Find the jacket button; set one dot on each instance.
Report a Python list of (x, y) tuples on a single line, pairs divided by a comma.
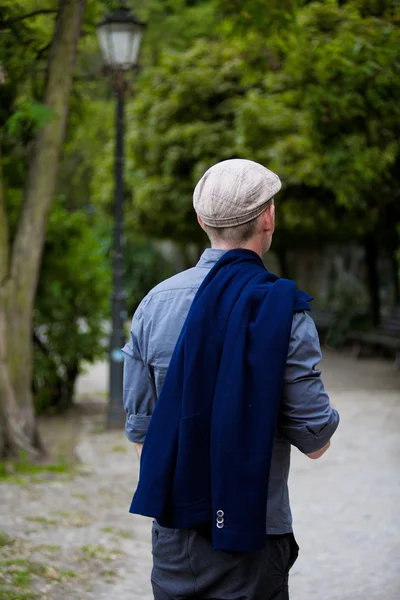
[(220, 513), (220, 525), (220, 519)]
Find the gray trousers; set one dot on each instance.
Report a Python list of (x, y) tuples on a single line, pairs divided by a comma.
[(186, 566)]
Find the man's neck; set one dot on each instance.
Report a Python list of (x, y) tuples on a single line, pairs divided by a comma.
[(253, 245)]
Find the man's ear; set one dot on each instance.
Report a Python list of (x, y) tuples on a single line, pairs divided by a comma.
[(200, 222), (269, 218), (272, 209)]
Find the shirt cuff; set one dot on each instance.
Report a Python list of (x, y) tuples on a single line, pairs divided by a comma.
[(136, 427), (311, 441)]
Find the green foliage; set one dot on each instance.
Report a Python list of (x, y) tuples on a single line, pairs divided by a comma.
[(72, 305), (73, 300), (175, 25), (184, 116), (346, 69), (317, 100), (23, 52), (145, 266), (257, 15), (24, 45), (28, 119)]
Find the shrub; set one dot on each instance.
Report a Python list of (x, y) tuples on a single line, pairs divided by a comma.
[(72, 305)]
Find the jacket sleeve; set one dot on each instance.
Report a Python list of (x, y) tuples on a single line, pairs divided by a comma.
[(306, 419), (139, 389)]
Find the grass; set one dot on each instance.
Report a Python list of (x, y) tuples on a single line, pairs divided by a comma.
[(64, 519), (99, 552), (67, 574), (75, 519), (91, 551), (79, 495), (121, 533), (119, 448), (42, 520), (98, 429), (108, 573), (47, 549), (10, 471), (105, 492), (17, 575), (18, 572), (5, 539), (125, 534), (11, 595)]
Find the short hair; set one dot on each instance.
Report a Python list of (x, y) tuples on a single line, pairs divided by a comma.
[(237, 234)]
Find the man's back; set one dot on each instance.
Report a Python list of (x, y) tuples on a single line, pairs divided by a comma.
[(155, 331)]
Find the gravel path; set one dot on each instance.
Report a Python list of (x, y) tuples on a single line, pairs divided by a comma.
[(78, 541)]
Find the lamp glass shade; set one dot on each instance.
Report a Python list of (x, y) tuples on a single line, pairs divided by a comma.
[(120, 43)]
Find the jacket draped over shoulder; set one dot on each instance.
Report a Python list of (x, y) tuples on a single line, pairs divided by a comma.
[(207, 451)]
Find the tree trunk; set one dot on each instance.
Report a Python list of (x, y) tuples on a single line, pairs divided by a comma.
[(395, 268), (391, 241), (279, 246), (19, 265), (281, 253), (371, 258), (72, 375)]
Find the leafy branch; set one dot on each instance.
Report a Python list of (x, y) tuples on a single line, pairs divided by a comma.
[(43, 11)]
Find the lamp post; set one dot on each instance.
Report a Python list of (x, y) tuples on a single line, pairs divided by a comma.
[(119, 36)]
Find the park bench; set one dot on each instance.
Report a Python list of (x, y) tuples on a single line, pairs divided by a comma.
[(386, 336)]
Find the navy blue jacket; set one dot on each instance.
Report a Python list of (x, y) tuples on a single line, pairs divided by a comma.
[(207, 451)]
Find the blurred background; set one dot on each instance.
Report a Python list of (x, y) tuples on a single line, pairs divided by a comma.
[(96, 209)]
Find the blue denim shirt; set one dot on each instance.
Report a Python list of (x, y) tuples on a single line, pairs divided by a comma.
[(306, 418)]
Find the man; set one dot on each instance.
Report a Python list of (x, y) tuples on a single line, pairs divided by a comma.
[(234, 202)]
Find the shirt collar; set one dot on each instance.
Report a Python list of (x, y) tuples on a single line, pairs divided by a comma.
[(210, 257)]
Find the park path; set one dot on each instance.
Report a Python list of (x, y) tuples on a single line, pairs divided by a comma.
[(346, 506)]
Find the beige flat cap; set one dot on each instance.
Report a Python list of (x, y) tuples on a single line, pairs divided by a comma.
[(234, 192)]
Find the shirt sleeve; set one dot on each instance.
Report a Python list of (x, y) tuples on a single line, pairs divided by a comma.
[(306, 419), (139, 389)]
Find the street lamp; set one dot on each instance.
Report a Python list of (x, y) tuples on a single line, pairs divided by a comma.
[(119, 34)]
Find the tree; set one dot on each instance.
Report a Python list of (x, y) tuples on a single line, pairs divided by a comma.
[(20, 255), (183, 121), (337, 93), (317, 100)]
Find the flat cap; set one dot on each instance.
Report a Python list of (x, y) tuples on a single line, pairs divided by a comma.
[(234, 192)]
